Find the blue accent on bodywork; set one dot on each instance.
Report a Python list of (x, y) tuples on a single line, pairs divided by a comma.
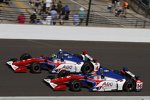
[(85, 83), (109, 73), (68, 56), (125, 68), (45, 65), (113, 75)]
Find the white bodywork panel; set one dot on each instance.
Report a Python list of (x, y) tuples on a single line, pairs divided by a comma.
[(109, 84), (96, 66), (120, 84), (53, 85), (131, 74), (106, 86), (14, 67), (75, 67), (139, 85), (70, 66)]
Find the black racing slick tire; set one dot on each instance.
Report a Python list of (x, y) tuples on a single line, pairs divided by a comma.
[(129, 85), (75, 85), (63, 73), (87, 68), (25, 56), (35, 68)]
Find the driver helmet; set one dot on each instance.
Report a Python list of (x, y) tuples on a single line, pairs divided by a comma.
[(60, 50), (54, 56)]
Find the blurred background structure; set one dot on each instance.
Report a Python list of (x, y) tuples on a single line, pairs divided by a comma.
[(99, 13)]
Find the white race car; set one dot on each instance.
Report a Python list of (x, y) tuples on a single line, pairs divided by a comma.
[(62, 63), (104, 80)]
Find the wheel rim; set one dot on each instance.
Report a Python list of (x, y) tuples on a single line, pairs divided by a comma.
[(36, 68), (77, 86), (129, 86), (87, 68)]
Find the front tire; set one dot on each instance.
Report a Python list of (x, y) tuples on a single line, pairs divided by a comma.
[(87, 68), (75, 85), (63, 73), (129, 85), (35, 68)]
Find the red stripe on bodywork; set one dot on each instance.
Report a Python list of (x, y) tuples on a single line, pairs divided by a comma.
[(60, 87), (21, 69), (66, 79), (28, 61), (138, 80)]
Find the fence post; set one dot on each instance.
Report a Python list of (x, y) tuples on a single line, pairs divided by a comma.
[(88, 13), (144, 25), (136, 23)]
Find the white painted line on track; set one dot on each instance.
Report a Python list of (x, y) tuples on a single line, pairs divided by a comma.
[(78, 97)]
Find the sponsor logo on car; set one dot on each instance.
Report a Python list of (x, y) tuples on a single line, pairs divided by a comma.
[(67, 67), (107, 84), (139, 85)]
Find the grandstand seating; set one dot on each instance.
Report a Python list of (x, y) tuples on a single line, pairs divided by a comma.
[(9, 14)]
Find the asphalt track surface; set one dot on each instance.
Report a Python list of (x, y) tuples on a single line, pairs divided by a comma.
[(113, 55)]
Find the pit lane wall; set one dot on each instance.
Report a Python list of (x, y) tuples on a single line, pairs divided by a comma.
[(44, 32)]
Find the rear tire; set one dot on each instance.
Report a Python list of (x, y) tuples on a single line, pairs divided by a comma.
[(25, 56), (129, 85), (75, 85), (87, 68), (35, 68)]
